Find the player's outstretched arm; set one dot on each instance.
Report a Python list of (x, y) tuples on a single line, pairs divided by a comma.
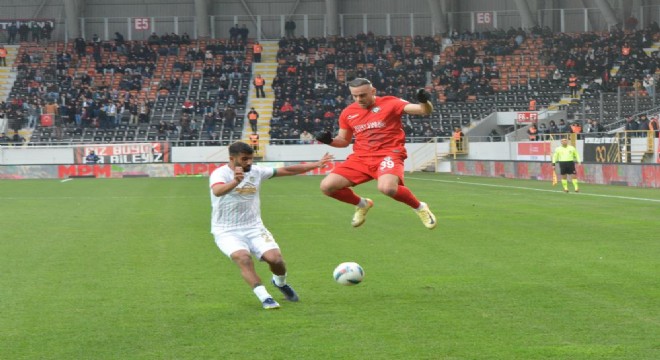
[(425, 107), (303, 168), (339, 141)]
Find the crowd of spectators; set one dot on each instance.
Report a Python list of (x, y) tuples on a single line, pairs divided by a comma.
[(55, 79), (639, 126), (310, 83), (24, 31), (592, 56), (310, 89), (307, 85), (310, 86)]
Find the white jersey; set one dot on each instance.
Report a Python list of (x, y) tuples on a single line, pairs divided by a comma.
[(241, 207)]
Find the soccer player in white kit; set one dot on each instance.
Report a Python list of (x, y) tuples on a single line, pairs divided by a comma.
[(236, 221)]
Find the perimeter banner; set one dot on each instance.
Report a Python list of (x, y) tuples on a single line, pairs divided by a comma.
[(145, 153), (601, 150), (5, 23), (534, 151)]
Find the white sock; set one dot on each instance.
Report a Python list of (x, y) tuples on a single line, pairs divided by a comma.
[(279, 280), (261, 293), (362, 203), (421, 206)]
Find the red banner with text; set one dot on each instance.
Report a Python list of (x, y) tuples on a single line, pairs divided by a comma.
[(534, 151), (145, 153)]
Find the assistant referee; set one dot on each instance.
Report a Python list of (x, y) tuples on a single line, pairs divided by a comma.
[(567, 156)]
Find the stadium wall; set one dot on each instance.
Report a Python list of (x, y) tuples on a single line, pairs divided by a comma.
[(642, 175), (638, 175), (514, 151), (397, 18), (130, 8), (28, 9), (510, 160)]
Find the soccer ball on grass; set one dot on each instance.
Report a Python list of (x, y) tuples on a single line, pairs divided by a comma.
[(348, 273)]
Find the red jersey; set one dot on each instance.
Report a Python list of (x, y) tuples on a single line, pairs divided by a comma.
[(378, 130)]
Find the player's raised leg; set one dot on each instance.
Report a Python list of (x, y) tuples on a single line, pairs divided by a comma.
[(360, 215), (391, 185), (427, 217), (338, 187)]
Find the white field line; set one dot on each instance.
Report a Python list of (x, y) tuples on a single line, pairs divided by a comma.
[(535, 189)]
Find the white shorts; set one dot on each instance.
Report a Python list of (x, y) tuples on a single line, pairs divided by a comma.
[(256, 241)]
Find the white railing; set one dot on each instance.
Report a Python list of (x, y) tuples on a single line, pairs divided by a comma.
[(424, 156), (267, 26)]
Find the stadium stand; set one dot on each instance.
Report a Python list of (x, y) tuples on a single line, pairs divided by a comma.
[(147, 82), (176, 89), (471, 76), (469, 79)]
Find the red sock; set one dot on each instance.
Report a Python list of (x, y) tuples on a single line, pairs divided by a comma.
[(346, 195), (404, 195)]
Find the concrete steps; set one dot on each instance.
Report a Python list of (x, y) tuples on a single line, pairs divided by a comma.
[(264, 106), (269, 53), (8, 73)]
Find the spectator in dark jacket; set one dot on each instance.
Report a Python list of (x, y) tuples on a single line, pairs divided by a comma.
[(631, 125), (91, 158)]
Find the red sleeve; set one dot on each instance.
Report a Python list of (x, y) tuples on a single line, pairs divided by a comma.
[(343, 122), (217, 183)]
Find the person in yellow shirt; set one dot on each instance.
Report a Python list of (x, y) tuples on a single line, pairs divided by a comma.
[(567, 156)]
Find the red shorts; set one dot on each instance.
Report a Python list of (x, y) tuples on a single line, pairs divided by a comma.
[(360, 169)]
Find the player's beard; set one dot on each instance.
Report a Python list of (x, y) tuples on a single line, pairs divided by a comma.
[(245, 168)]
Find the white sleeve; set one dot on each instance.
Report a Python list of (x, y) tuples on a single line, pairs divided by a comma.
[(220, 175), (266, 172)]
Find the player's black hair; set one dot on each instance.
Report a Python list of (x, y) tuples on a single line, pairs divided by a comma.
[(240, 148), (359, 82)]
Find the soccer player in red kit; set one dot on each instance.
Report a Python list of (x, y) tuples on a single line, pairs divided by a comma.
[(378, 151)]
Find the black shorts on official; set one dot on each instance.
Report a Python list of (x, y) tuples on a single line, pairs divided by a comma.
[(566, 167)]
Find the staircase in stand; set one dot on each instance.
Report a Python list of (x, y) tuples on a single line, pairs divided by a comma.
[(8, 73), (267, 68)]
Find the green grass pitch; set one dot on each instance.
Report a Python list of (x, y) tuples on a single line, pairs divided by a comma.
[(127, 269)]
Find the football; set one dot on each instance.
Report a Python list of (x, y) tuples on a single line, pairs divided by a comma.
[(348, 273)]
